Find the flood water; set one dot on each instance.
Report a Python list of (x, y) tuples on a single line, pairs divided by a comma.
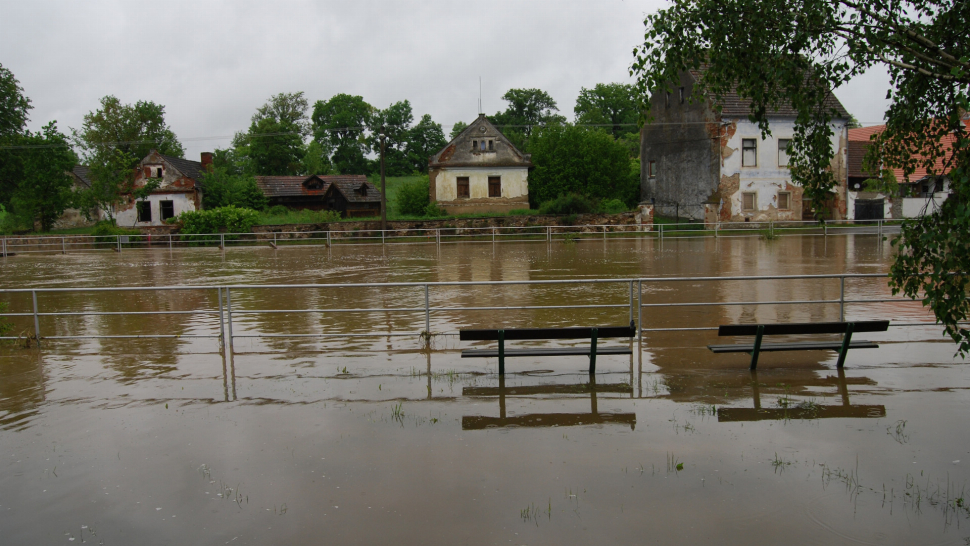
[(377, 439)]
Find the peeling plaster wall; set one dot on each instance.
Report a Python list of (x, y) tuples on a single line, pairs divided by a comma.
[(181, 201), (515, 189)]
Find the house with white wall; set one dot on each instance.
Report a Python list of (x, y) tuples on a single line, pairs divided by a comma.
[(480, 171), (706, 163), (179, 190)]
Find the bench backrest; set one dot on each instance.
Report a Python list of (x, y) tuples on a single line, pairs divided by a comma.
[(549, 333), (796, 328)]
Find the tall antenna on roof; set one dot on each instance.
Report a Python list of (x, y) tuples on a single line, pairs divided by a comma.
[(480, 95)]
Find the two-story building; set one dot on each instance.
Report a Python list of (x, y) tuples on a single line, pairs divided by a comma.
[(480, 171), (702, 163), (179, 190)]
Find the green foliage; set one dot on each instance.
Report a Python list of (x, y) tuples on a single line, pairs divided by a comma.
[(580, 160), (434, 211), (524, 212), (275, 136), (111, 179), (394, 122), (13, 105), (457, 128), (220, 189), (274, 216), (610, 104), (107, 228), (134, 129), (316, 160), (227, 219), (775, 52), (426, 139), (527, 108), (413, 198), (37, 176), (612, 206), (339, 124), (571, 203)]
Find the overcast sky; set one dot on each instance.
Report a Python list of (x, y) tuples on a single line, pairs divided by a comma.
[(211, 63)]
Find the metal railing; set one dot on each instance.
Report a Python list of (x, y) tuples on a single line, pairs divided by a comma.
[(12, 245), (631, 307)]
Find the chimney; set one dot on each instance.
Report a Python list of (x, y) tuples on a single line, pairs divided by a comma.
[(207, 161)]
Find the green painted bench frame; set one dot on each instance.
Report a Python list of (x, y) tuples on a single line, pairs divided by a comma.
[(509, 334), (804, 328)]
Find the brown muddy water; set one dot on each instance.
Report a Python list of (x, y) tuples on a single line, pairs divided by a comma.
[(378, 440)]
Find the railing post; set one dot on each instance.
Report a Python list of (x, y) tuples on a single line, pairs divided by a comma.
[(427, 316), (631, 301), (382, 236), (4, 247), (437, 236), (639, 309), (33, 294), (493, 235), (716, 226), (229, 320), (170, 248), (119, 243), (222, 241), (328, 237), (842, 299), (548, 233), (661, 232)]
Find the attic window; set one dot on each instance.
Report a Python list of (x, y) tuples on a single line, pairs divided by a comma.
[(474, 145), (314, 184), (491, 145), (483, 145), (158, 172), (362, 190), (153, 171), (682, 95)]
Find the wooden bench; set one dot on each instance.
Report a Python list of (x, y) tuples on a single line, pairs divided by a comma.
[(760, 330), (592, 334)]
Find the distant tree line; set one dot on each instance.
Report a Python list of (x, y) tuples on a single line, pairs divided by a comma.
[(594, 156)]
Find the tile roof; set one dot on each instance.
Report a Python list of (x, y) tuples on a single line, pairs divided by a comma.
[(82, 173), (189, 168), (292, 186), (462, 152), (733, 106), (859, 143)]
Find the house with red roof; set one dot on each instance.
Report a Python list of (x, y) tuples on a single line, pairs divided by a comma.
[(350, 195)]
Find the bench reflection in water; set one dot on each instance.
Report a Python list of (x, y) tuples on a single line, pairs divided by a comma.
[(806, 411), (594, 417)]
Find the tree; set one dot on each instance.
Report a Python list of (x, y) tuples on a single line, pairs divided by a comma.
[(223, 189), (613, 105), (39, 164), (395, 122), (134, 129), (774, 52), (339, 124), (457, 128), (583, 160), (276, 133), (316, 160), (13, 105), (527, 109), (425, 140)]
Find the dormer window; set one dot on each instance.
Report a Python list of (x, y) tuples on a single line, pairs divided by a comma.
[(362, 190), (313, 184)]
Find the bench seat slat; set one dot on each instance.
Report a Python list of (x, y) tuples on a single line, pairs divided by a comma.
[(547, 333), (792, 346), (557, 351), (797, 328)]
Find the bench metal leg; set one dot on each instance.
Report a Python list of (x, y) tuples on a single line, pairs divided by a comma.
[(845, 345), (501, 352), (757, 346), (592, 351)]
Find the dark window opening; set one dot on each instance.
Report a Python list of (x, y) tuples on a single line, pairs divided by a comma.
[(166, 209), (667, 100), (682, 95), (495, 186), (159, 172), (474, 145), (463, 186), (144, 211), (491, 145)]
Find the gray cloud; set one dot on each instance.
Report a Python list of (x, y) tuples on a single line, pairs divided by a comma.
[(213, 62)]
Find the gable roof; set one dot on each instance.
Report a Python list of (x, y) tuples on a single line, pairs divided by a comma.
[(82, 176), (460, 152), (859, 143), (734, 106), (295, 186), (189, 168)]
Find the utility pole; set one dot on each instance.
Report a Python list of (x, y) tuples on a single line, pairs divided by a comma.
[(383, 188)]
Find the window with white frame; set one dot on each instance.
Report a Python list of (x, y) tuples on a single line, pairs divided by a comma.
[(749, 152), (784, 200), (783, 144), (749, 201), (652, 169)]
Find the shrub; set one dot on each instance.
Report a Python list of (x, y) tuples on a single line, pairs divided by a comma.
[(612, 206), (572, 203), (229, 219), (413, 198), (523, 212), (433, 210)]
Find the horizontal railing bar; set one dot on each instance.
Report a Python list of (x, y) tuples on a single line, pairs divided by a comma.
[(130, 336), (98, 313), (297, 311), (414, 334)]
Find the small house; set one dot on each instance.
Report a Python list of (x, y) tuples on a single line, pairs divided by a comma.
[(179, 190), (350, 195), (480, 171)]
